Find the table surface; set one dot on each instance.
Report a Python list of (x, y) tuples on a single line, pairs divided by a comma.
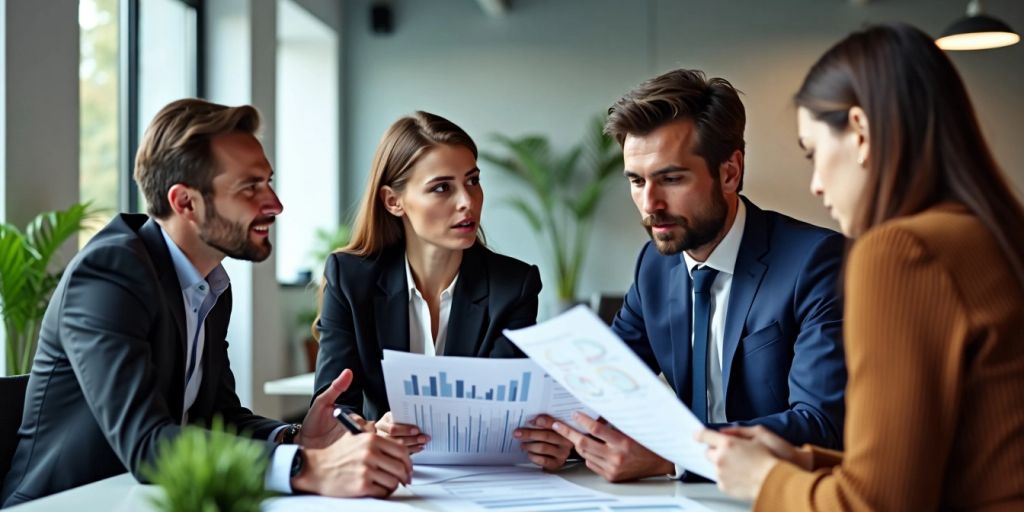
[(301, 385), (122, 493)]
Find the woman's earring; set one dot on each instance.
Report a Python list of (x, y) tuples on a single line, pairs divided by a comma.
[(861, 160)]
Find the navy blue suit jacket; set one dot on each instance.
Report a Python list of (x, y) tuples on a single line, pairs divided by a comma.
[(782, 361)]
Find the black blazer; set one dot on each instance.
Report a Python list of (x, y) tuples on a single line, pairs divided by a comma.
[(107, 383), (366, 309)]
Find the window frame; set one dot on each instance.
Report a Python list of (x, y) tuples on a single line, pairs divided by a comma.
[(128, 192)]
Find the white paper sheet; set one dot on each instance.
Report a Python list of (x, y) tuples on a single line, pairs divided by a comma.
[(470, 406), (585, 356), (507, 490), (324, 504), (520, 489)]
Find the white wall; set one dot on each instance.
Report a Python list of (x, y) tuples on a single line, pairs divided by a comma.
[(549, 65)]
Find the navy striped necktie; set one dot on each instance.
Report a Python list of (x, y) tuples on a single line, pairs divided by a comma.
[(702, 279)]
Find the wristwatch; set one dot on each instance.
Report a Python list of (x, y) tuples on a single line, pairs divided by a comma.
[(298, 461), (289, 433)]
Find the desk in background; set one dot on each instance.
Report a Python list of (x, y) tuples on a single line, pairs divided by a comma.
[(299, 385), (123, 494)]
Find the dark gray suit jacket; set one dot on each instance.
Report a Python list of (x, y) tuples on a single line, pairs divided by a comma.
[(108, 379), (366, 310)]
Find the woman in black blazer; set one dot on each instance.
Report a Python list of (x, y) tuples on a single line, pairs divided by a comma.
[(417, 278)]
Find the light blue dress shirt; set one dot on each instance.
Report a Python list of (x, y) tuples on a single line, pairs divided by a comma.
[(200, 296)]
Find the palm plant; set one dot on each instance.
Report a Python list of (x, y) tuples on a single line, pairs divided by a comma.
[(567, 188), (25, 280)]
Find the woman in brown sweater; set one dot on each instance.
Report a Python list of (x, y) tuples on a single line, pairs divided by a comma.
[(934, 287)]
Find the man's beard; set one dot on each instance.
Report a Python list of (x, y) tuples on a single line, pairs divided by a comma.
[(705, 227), (232, 238)]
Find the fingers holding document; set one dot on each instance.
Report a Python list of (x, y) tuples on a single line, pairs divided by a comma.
[(545, 447), (408, 435), (610, 453)]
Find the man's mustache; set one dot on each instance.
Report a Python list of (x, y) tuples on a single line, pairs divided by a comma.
[(661, 218)]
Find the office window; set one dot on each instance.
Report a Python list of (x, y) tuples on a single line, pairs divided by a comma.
[(168, 60), (306, 139), (99, 88)]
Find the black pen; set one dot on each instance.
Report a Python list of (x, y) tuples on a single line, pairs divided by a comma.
[(346, 421), (350, 424)]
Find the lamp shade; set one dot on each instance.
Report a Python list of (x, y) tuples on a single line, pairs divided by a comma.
[(978, 32)]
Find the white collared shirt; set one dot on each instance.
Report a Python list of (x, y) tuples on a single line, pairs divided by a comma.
[(420, 338), (722, 259)]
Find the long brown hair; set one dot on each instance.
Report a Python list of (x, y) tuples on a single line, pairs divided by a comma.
[(926, 143), (403, 144)]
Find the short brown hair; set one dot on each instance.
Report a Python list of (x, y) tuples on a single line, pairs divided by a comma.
[(176, 148), (713, 104)]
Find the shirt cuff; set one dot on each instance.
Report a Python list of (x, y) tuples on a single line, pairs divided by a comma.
[(279, 474), (273, 434), (678, 472)]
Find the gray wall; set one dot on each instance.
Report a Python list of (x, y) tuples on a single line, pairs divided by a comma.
[(549, 65), (41, 108)]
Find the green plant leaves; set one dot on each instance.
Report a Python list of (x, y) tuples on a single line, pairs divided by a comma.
[(567, 188), (25, 283), (209, 470)]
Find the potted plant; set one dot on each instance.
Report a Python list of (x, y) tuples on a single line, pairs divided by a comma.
[(26, 281), (567, 188), (326, 242), (209, 471)]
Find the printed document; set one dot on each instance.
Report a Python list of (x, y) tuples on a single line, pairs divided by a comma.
[(469, 406), (585, 356)]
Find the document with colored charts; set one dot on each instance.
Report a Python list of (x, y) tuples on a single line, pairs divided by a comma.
[(469, 406), (585, 356)]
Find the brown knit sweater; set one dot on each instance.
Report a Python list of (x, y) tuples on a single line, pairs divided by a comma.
[(934, 333)]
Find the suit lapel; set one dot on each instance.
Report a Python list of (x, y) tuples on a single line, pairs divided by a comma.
[(215, 334), (750, 270), (679, 328), (391, 303), (469, 301), (156, 245)]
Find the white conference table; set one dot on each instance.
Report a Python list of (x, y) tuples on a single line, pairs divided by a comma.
[(122, 493)]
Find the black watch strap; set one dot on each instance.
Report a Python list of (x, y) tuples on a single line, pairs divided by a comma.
[(298, 461), (289, 433)]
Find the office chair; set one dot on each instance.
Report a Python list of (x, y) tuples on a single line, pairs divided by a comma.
[(607, 305), (12, 403)]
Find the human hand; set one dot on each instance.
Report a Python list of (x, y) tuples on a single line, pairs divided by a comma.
[(545, 447), (319, 428), (355, 466), (778, 446), (740, 464), (610, 453), (408, 435)]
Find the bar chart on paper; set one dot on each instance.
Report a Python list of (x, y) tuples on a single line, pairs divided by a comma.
[(440, 385), (470, 407)]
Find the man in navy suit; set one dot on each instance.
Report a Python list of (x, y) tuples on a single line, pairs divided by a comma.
[(738, 307)]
